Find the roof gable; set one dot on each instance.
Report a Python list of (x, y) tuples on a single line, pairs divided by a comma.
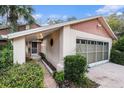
[(92, 27)]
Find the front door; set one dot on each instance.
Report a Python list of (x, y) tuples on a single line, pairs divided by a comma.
[(34, 47)]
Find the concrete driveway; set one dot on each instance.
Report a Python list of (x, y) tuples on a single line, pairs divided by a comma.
[(108, 75)]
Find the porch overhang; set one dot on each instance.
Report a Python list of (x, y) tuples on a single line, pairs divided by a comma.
[(20, 42)]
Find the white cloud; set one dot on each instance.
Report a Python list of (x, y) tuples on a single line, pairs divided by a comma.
[(37, 16), (109, 9), (119, 13)]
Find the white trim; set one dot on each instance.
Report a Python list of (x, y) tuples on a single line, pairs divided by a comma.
[(109, 28), (49, 69), (98, 63), (56, 26), (4, 36), (103, 51)]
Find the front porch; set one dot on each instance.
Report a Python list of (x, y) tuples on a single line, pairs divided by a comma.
[(30, 46)]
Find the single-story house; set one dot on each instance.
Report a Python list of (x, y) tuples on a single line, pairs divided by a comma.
[(4, 31), (91, 37)]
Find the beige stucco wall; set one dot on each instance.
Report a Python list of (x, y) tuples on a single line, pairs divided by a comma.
[(19, 50), (64, 43), (43, 46), (68, 38), (52, 52)]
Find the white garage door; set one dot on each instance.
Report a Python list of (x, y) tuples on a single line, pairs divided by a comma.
[(94, 51)]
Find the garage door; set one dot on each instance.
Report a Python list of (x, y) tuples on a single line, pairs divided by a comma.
[(94, 51)]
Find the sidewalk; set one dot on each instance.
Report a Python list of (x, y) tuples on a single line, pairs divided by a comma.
[(49, 82)]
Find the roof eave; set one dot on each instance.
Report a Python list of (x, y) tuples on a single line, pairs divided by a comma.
[(114, 37), (41, 29)]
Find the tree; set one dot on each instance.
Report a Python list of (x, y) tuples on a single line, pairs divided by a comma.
[(13, 13), (116, 22), (52, 21), (71, 18)]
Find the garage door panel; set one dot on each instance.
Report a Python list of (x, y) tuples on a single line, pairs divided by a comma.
[(93, 51)]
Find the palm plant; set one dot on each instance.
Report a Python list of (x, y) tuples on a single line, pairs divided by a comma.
[(13, 13)]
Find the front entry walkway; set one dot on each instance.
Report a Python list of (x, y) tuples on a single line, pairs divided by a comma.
[(108, 75), (49, 82)]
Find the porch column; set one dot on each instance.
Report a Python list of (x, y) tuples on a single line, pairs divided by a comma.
[(67, 45), (19, 55)]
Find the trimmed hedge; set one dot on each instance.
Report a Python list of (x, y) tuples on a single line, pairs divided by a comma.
[(28, 75), (75, 67)]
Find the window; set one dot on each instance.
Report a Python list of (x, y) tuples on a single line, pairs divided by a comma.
[(93, 50), (34, 47), (99, 51), (106, 51), (81, 47)]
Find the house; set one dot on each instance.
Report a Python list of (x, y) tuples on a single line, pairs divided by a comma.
[(4, 30), (91, 37)]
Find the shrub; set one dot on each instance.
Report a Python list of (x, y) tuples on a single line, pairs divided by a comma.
[(6, 56), (119, 45), (117, 57), (75, 67), (2, 46), (28, 75), (117, 52), (59, 77)]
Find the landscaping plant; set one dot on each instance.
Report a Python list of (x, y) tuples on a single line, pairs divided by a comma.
[(75, 67), (59, 77), (117, 52), (6, 56), (28, 75)]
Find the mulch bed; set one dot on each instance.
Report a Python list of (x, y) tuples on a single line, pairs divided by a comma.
[(69, 84)]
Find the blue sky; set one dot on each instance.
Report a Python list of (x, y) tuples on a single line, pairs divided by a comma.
[(42, 12)]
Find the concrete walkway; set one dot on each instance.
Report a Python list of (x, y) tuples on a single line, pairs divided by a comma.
[(108, 75), (49, 82)]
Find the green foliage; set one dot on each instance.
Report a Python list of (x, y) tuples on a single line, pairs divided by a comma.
[(117, 57), (55, 20), (15, 13), (1, 47), (28, 75), (59, 76), (75, 67), (119, 45), (6, 56), (116, 22), (117, 52)]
